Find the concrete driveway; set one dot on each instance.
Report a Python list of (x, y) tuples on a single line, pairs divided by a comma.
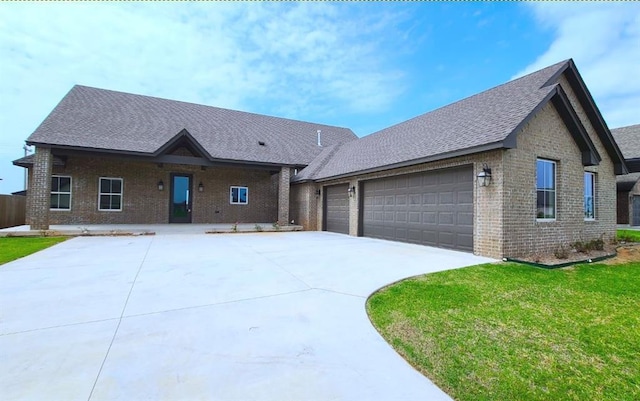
[(265, 316)]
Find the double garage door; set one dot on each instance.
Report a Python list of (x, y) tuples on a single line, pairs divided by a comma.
[(432, 208)]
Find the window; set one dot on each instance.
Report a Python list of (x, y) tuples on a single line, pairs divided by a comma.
[(110, 194), (546, 189), (60, 193), (589, 196), (239, 195)]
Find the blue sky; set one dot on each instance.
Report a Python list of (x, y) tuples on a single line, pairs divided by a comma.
[(365, 66)]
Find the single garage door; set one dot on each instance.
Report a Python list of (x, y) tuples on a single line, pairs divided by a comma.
[(336, 209), (432, 208)]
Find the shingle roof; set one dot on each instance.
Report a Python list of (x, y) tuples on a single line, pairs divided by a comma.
[(627, 181), (628, 140), (27, 161), (104, 120), (478, 121)]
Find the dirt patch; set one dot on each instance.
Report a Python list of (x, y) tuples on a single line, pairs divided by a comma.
[(626, 253)]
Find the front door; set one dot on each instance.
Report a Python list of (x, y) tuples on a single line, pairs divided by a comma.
[(180, 205), (635, 219)]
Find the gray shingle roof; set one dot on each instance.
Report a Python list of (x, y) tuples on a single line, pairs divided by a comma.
[(482, 120), (104, 120), (628, 140), (27, 161), (627, 181)]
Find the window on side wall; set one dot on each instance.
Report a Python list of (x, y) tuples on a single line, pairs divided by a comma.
[(110, 194), (239, 195), (545, 190), (589, 196), (60, 193)]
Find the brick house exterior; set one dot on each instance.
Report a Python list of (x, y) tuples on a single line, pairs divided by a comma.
[(314, 174), (562, 126), (628, 186)]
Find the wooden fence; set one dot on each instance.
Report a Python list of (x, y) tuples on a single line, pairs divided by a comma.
[(12, 210)]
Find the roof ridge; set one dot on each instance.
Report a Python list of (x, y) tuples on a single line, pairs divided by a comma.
[(204, 105), (318, 162)]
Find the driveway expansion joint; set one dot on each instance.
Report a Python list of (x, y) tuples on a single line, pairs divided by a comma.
[(124, 307)]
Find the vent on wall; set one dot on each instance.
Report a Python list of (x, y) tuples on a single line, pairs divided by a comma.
[(261, 143)]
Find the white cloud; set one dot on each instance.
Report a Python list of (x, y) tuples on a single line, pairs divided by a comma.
[(297, 60), (604, 41)]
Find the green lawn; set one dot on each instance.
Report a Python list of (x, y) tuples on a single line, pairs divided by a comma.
[(628, 235), (513, 332), (12, 248)]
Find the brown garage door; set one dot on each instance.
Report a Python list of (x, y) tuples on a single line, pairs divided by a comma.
[(336, 209), (433, 208)]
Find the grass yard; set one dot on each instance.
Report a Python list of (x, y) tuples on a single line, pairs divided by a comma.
[(12, 248), (513, 332), (628, 235)]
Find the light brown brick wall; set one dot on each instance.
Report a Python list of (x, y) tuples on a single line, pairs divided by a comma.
[(284, 189), (39, 194), (144, 203), (304, 205), (545, 136)]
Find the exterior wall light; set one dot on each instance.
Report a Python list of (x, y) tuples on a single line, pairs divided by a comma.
[(200, 187), (484, 177), (160, 185), (318, 192), (351, 191)]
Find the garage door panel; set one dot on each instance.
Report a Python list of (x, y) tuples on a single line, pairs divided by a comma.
[(429, 218), (430, 199), (465, 197), (446, 198), (445, 218), (432, 208), (337, 209), (414, 181), (465, 219), (414, 217)]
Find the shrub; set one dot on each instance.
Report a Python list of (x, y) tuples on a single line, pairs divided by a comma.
[(561, 252)]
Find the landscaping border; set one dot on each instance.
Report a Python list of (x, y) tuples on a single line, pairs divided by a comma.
[(560, 265)]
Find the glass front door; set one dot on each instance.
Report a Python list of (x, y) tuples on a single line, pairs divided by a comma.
[(180, 205)]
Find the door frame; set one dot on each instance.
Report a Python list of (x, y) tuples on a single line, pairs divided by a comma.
[(188, 219)]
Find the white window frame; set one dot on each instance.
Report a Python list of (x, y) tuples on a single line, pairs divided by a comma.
[(70, 193), (246, 202), (593, 197), (100, 193), (555, 191)]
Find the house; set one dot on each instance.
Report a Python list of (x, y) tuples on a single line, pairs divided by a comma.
[(518, 169), (628, 186)]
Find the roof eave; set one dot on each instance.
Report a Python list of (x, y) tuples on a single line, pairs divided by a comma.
[(596, 119), (161, 158), (633, 165)]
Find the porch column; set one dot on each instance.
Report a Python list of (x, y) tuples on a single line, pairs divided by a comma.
[(283, 196), (39, 192)]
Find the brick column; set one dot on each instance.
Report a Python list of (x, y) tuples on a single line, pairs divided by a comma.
[(39, 192), (283, 195)]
